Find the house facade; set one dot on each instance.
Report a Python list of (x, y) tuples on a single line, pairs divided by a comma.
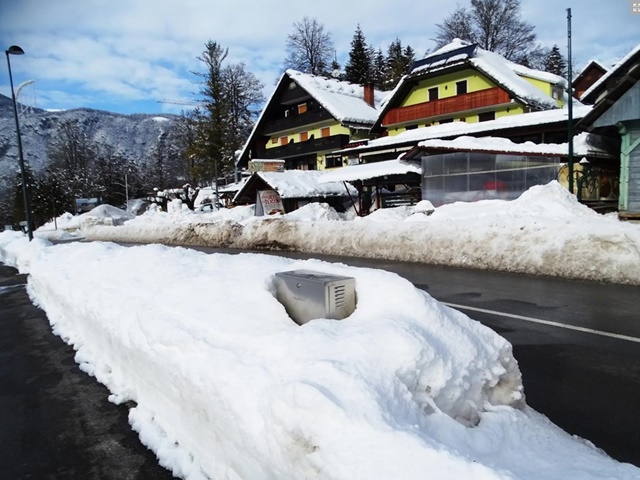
[(307, 118), (463, 83), (616, 115)]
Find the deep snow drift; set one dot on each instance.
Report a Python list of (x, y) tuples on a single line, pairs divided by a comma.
[(228, 387)]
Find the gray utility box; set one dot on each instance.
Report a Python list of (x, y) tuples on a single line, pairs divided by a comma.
[(307, 295)]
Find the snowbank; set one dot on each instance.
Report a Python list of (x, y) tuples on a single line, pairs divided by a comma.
[(228, 388), (543, 232)]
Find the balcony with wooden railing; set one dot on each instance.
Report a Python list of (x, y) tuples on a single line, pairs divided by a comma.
[(291, 149), (447, 106)]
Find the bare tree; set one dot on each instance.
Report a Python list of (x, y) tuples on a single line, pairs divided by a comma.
[(244, 98), (457, 25), (495, 25), (309, 48)]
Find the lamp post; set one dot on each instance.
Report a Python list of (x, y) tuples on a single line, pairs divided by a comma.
[(16, 50)]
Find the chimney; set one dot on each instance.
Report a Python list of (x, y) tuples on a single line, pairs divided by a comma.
[(368, 94)]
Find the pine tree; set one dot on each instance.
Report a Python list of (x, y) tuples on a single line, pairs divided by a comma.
[(358, 68), (409, 56), (397, 63), (378, 70), (555, 62)]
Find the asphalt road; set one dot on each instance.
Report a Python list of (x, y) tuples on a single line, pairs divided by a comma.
[(56, 421), (582, 370)]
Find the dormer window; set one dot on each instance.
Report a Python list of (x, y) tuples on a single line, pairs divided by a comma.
[(556, 92), (461, 87), (433, 94)]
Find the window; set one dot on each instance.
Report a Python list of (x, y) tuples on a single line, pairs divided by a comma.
[(461, 87), (332, 161), (433, 94), (304, 136), (557, 92), (302, 108), (274, 140), (325, 132), (486, 116), (446, 120), (411, 127), (284, 140)]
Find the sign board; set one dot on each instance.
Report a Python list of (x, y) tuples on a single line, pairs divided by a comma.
[(268, 202), (266, 166)]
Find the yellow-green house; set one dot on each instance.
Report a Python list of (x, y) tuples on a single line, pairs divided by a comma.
[(464, 83), (307, 118)]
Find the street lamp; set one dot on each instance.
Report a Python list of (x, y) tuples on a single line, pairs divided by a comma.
[(16, 50)]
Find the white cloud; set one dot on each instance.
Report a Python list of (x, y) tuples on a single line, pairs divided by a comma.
[(145, 50)]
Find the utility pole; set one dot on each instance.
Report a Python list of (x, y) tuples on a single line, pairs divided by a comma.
[(570, 91)]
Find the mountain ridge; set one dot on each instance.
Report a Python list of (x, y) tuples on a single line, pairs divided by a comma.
[(133, 135)]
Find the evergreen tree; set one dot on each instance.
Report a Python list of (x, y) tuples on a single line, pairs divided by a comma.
[(335, 70), (379, 70), (358, 68), (409, 56), (397, 63), (555, 63), (232, 100), (214, 113)]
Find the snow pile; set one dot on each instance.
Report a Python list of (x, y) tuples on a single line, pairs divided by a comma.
[(314, 212), (105, 215), (396, 214), (230, 389), (425, 207), (544, 232)]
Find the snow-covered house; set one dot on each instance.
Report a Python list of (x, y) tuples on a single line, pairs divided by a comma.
[(462, 82), (616, 114), (307, 118), (289, 190)]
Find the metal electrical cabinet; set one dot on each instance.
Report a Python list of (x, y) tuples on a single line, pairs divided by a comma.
[(307, 295)]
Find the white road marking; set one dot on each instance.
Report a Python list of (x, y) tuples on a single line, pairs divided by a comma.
[(545, 322)]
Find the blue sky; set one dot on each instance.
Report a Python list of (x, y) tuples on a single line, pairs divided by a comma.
[(126, 55)]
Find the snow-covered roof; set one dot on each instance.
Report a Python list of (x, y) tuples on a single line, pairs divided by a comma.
[(612, 71), (581, 146), (370, 170), (464, 128), (344, 100), (301, 184), (503, 72)]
